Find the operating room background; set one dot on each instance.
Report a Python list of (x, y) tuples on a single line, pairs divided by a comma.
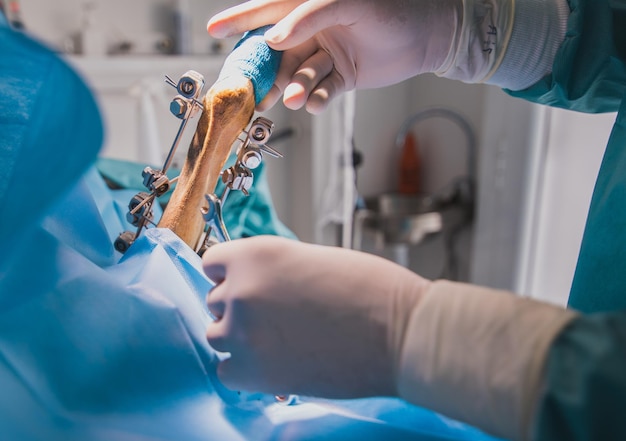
[(535, 166)]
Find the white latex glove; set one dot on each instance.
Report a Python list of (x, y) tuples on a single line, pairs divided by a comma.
[(307, 319), (333, 46)]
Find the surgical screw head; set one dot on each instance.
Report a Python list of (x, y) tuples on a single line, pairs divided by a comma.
[(251, 159), (228, 176), (124, 241), (259, 134), (190, 84), (261, 129), (187, 87), (178, 107)]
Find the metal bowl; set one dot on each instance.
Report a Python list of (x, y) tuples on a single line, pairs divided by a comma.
[(406, 219)]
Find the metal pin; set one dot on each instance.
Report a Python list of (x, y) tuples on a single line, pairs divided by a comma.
[(212, 215)]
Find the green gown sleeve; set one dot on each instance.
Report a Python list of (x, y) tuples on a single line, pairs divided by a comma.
[(588, 73), (584, 395), (585, 382)]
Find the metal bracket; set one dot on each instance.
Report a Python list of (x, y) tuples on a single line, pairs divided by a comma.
[(184, 106), (238, 177)]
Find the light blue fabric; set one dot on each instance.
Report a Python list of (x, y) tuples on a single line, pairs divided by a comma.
[(92, 348), (254, 59), (98, 347), (33, 113)]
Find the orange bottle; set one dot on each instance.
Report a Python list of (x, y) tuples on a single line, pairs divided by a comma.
[(409, 167)]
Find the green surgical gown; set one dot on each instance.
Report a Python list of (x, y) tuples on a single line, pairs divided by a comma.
[(584, 396)]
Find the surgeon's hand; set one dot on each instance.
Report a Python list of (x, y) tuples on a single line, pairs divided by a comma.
[(307, 319), (333, 46)]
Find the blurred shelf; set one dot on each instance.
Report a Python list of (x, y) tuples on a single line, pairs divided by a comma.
[(114, 72)]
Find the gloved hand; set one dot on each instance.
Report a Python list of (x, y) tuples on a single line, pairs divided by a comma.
[(333, 46), (307, 319)]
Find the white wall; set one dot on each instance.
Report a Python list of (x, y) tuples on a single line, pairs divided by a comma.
[(570, 148), (507, 129), (537, 172)]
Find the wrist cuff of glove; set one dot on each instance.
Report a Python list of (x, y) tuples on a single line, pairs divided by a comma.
[(480, 45), (477, 355), (538, 31), (508, 43)]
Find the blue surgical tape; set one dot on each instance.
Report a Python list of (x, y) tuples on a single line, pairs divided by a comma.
[(254, 59)]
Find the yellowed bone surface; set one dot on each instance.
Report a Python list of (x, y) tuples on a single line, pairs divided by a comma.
[(228, 108)]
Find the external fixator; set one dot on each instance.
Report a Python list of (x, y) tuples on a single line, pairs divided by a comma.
[(238, 177), (185, 105)]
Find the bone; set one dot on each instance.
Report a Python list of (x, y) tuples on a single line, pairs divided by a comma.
[(228, 109)]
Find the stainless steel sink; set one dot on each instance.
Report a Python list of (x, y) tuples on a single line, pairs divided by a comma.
[(408, 219), (400, 221)]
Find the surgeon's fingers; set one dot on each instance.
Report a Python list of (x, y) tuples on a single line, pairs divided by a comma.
[(225, 335), (216, 272), (307, 78), (249, 15), (215, 303), (308, 19), (235, 373), (218, 335), (216, 259), (326, 90), (270, 99), (290, 63)]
